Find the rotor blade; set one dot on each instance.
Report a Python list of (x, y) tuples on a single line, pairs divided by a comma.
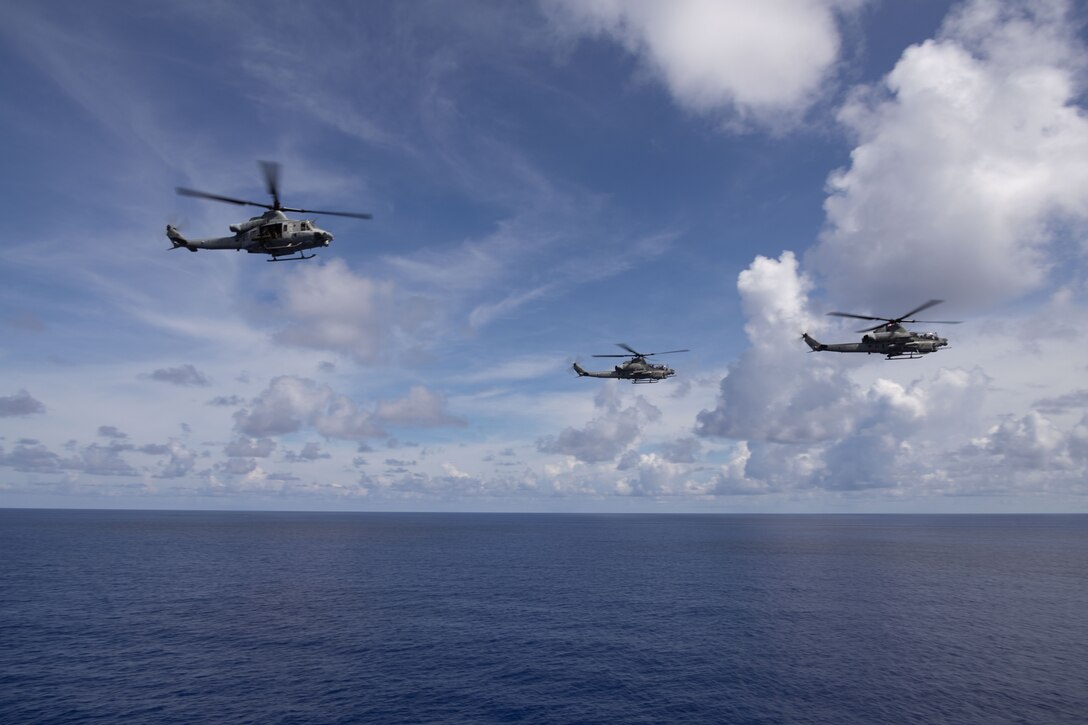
[(874, 327), (918, 309), (271, 171), (216, 197), (352, 214), (610, 356), (666, 352), (935, 322), (859, 317), (628, 348)]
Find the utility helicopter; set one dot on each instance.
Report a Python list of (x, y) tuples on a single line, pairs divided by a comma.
[(271, 233), (635, 368), (889, 338)]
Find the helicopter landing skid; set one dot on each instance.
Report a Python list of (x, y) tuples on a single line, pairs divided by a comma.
[(300, 257)]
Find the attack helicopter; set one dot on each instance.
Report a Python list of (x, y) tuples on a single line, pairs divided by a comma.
[(889, 338), (271, 233), (635, 368)]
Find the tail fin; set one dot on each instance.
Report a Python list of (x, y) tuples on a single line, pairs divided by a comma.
[(177, 240), (812, 342), (578, 369)]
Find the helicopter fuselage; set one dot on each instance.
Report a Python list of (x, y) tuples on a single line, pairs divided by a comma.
[(889, 338), (896, 342), (634, 370), (271, 233)]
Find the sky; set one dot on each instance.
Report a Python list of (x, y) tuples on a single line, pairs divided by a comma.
[(546, 179)]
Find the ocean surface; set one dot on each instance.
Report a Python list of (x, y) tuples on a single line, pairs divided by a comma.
[(186, 617)]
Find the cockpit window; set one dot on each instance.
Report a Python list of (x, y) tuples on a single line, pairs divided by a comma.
[(306, 227)]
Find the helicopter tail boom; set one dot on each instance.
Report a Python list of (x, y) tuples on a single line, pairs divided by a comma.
[(177, 240)]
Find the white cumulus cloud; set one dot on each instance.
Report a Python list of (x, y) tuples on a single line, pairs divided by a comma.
[(291, 404), (809, 420), (422, 408), (755, 59), (606, 436), (970, 172), (329, 307)]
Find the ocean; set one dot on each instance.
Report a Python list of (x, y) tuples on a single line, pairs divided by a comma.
[(224, 617)]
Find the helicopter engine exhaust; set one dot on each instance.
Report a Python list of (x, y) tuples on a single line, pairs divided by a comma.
[(246, 226)]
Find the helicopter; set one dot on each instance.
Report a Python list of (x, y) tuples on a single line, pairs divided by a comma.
[(271, 233), (889, 338), (636, 368)]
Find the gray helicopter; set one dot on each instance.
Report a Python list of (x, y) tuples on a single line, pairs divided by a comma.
[(889, 338), (271, 233), (636, 368)]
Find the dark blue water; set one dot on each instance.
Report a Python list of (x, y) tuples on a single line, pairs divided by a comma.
[(473, 618)]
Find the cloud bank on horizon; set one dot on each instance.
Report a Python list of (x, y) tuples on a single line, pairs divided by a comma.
[(547, 180)]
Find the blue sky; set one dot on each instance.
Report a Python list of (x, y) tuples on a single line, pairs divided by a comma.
[(547, 179)]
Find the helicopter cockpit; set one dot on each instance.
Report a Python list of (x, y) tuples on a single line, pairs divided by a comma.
[(270, 231)]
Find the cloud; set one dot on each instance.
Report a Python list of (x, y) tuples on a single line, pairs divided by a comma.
[(968, 177), (237, 466), (310, 452), (970, 172), (804, 419), (606, 436), (226, 401), (328, 307), (291, 404), (103, 461), (20, 404), (95, 459), (185, 375), (1077, 399), (539, 253), (109, 431), (758, 60), (249, 448), (182, 461), (1033, 442), (772, 392), (344, 419), (31, 457), (486, 313), (683, 450), (288, 404), (421, 408), (154, 449)]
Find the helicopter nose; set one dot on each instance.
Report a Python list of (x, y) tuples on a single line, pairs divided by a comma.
[(325, 237)]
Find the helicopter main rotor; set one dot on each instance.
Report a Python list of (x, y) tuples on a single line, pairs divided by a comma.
[(271, 172), (899, 320), (636, 353)]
